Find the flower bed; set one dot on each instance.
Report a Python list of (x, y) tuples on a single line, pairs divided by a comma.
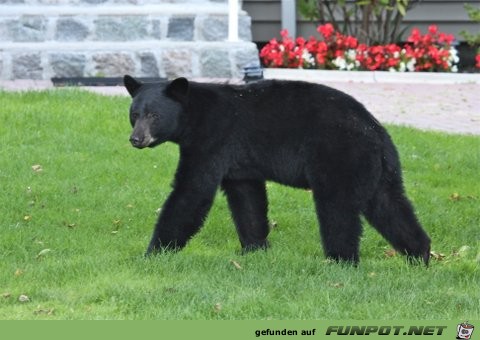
[(430, 52)]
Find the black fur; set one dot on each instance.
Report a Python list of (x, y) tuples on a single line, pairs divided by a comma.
[(295, 133)]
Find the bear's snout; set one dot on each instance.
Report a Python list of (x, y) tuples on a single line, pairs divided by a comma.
[(137, 141)]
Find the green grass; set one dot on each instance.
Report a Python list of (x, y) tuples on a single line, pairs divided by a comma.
[(94, 203)]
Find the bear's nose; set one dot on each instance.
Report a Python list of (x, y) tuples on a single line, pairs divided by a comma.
[(136, 141)]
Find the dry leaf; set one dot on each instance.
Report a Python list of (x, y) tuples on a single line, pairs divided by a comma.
[(23, 298), (455, 197), (337, 285), (217, 307), (43, 252), (6, 295), (18, 272), (462, 252), (37, 168), (390, 253), (372, 274), (437, 256), (236, 264), (45, 311), (273, 224), (27, 218)]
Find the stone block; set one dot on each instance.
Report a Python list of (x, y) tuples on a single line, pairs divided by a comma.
[(177, 63), (67, 64), (121, 28), (69, 29), (113, 64), (157, 29), (27, 66), (215, 63), (148, 65), (215, 28), (28, 28), (181, 28), (243, 57)]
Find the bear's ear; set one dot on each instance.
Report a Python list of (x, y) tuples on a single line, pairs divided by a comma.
[(178, 89), (132, 85)]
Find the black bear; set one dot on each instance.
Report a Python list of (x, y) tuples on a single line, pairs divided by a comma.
[(295, 133)]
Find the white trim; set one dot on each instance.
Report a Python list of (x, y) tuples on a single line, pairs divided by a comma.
[(371, 76), (161, 9)]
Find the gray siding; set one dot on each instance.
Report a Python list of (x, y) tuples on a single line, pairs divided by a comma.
[(449, 15)]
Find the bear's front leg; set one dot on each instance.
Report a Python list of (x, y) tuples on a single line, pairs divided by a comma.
[(186, 208)]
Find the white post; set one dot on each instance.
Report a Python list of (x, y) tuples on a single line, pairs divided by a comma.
[(289, 17), (233, 20)]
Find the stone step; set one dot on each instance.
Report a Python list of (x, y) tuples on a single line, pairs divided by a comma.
[(154, 58), (174, 22), (101, 2)]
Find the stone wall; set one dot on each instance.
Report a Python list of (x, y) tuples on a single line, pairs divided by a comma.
[(40, 39)]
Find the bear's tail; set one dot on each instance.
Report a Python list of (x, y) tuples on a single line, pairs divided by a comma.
[(391, 213)]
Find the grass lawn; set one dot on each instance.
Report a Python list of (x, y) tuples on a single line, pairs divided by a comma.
[(75, 226)]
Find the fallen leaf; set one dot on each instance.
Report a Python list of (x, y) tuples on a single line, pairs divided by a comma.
[(18, 272), (27, 218), (273, 224), (462, 252), (437, 256), (455, 197), (23, 298), (49, 311), (37, 168), (236, 264), (390, 253), (217, 307), (337, 285), (372, 274), (43, 252), (114, 232), (6, 295)]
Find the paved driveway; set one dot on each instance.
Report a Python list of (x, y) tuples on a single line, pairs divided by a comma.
[(453, 108)]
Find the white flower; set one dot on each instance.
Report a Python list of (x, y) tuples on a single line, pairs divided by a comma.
[(402, 67), (308, 58), (454, 55), (396, 55), (411, 65), (392, 69), (351, 54), (454, 68), (340, 63)]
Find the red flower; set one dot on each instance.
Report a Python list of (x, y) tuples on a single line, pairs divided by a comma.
[(477, 59), (326, 30)]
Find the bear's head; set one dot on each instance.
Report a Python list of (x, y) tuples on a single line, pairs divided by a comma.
[(156, 110)]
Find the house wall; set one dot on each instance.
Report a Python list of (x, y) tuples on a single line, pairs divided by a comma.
[(449, 15)]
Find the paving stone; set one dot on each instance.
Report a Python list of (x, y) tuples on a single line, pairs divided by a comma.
[(148, 64), (181, 28), (113, 64), (121, 28), (29, 28), (27, 66), (215, 63), (69, 29), (215, 28), (177, 63), (68, 64)]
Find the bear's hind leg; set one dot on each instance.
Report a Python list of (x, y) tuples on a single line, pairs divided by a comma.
[(340, 229), (248, 203), (392, 215)]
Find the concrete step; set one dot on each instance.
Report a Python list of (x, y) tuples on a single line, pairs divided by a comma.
[(153, 58), (102, 2), (166, 21)]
